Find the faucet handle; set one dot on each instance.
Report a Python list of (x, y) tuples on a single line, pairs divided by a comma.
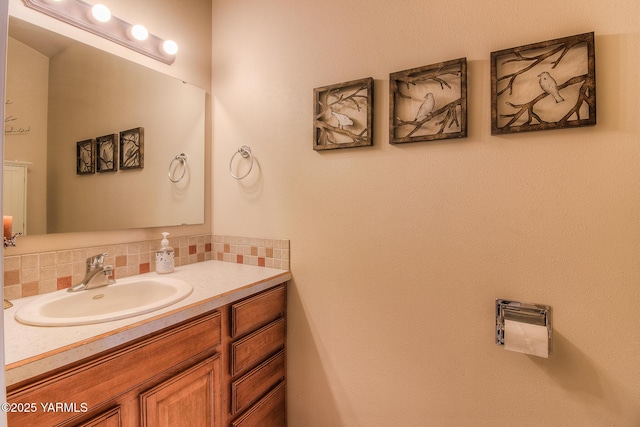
[(96, 261)]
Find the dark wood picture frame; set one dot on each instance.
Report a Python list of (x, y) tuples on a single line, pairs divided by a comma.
[(342, 115), (107, 153), (132, 149), (542, 86), (428, 103), (85, 157)]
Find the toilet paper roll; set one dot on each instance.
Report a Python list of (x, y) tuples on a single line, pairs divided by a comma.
[(526, 338)]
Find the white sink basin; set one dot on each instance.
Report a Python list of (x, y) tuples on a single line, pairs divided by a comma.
[(126, 298)]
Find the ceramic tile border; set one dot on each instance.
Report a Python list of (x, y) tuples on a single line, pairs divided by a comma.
[(39, 273), (273, 253)]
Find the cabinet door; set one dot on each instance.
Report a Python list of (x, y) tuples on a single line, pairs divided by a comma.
[(14, 196), (189, 399), (108, 419)]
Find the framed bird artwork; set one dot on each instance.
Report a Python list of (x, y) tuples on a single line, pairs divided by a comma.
[(107, 153), (342, 115), (85, 157), (132, 149), (428, 103), (546, 85)]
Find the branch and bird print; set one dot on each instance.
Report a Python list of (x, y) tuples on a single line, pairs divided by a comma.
[(543, 86), (342, 116), (429, 102)]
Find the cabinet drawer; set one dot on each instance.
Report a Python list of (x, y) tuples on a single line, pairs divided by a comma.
[(254, 348), (256, 311), (250, 387), (114, 373), (268, 412)]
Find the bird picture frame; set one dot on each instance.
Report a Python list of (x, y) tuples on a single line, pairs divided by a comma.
[(543, 86), (342, 115), (132, 149), (107, 153), (428, 103), (85, 157)]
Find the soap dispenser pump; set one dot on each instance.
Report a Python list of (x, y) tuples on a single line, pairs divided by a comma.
[(165, 256)]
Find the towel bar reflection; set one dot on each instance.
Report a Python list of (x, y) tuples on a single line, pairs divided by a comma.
[(245, 152), (182, 158)]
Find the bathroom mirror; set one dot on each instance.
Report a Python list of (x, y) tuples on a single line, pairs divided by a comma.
[(60, 94)]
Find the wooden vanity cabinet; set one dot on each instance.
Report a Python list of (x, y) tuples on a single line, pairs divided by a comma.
[(223, 368), (165, 376), (255, 378)]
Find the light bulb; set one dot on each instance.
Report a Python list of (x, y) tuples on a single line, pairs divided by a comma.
[(138, 32), (170, 47), (100, 13)]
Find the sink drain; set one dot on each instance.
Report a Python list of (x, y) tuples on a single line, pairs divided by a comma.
[(98, 296)]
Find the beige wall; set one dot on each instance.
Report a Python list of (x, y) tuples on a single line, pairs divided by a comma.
[(27, 91), (399, 252), (188, 23)]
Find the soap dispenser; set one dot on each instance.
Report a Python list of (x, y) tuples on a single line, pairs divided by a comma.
[(164, 256)]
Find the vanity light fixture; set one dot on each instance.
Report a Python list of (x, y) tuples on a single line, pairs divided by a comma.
[(137, 32), (98, 20), (170, 47), (99, 13)]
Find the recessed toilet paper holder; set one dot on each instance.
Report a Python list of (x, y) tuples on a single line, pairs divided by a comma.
[(515, 311)]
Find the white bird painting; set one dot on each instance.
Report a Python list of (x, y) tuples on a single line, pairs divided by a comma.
[(426, 108), (343, 119), (549, 85)]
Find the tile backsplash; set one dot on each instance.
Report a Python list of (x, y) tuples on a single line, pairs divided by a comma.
[(38, 273)]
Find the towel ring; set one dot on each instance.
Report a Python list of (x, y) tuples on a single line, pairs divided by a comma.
[(182, 158), (245, 152)]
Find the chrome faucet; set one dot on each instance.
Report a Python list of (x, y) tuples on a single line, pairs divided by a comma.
[(97, 275)]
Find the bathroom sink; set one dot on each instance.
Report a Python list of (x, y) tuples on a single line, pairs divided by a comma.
[(126, 298)]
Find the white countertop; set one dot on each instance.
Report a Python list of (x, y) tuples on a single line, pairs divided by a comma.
[(33, 350)]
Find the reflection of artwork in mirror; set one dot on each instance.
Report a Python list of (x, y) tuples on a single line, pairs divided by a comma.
[(428, 103), (547, 85), (107, 153), (132, 149), (84, 157)]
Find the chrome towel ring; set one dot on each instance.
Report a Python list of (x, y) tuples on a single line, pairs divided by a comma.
[(182, 158), (245, 152)]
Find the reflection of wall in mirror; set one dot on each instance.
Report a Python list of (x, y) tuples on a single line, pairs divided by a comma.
[(123, 96), (27, 87), (128, 198)]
